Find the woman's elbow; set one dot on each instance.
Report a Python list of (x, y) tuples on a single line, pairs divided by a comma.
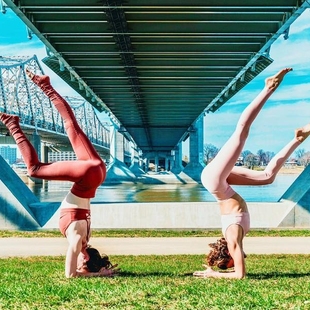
[(70, 275)]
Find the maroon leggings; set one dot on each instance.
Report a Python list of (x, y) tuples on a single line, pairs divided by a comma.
[(87, 172)]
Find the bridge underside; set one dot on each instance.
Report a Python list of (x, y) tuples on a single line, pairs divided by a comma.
[(156, 66)]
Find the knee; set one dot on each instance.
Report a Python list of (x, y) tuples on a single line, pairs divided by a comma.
[(270, 179), (207, 180), (32, 171)]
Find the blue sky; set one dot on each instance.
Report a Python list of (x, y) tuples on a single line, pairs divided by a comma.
[(289, 106), (287, 109)]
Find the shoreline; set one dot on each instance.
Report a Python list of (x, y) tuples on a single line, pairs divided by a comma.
[(291, 170)]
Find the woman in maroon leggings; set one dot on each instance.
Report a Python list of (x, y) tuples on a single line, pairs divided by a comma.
[(221, 173), (87, 173)]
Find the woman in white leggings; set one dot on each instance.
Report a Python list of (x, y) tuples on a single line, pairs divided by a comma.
[(221, 172)]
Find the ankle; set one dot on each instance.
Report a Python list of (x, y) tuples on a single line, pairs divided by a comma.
[(273, 82), (301, 134), (43, 81)]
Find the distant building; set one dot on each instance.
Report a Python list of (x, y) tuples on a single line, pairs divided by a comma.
[(61, 156), (239, 162), (291, 164), (8, 153)]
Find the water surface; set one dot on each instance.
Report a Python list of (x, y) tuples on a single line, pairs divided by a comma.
[(126, 193)]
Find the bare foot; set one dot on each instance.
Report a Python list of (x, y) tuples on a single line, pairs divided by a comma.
[(30, 74), (301, 134), (273, 82), (40, 80)]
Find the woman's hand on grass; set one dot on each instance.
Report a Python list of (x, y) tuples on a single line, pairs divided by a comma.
[(204, 273), (109, 272)]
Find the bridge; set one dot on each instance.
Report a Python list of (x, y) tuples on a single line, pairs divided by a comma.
[(22, 97), (156, 67), (38, 116)]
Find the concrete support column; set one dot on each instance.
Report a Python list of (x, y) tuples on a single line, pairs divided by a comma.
[(195, 165), (297, 197), (118, 172), (44, 153), (36, 142), (147, 164), (156, 163), (135, 161), (167, 162), (177, 162)]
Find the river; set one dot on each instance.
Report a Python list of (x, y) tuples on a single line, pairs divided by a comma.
[(126, 193)]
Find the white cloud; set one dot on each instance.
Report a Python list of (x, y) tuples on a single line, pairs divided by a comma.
[(301, 24)]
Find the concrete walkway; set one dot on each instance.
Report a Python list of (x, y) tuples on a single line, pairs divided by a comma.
[(23, 247)]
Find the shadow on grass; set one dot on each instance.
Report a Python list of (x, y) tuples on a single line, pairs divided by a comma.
[(275, 275), (152, 273), (260, 276)]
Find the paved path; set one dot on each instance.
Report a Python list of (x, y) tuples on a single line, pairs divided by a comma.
[(23, 247)]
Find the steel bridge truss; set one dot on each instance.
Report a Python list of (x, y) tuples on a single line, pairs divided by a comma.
[(20, 96)]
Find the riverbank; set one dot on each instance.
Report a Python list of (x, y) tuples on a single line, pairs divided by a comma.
[(292, 170)]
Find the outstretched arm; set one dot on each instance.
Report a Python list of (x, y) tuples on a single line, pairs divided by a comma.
[(103, 272), (236, 252), (73, 251)]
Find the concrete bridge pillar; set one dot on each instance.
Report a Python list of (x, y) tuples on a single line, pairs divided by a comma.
[(195, 165), (167, 163), (156, 162), (297, 197), (177, 166), (135, 161), (147, 164), (118, 172), (44, 153), (36, 142)]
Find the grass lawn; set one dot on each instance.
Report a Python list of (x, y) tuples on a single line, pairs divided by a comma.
[(156, 282), (158, 233)]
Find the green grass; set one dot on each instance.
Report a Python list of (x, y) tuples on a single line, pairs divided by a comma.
[(158, 233), (156, 282)]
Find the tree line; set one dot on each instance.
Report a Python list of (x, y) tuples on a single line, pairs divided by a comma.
[(261, 158)]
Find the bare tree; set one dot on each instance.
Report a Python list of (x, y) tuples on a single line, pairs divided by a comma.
[(305, 159), (269, 156), (245, 153), (210, 152), (300, 153), (251, 161), (261, 157)]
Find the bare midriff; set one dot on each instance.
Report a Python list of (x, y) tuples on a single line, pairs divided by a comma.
[(73, 201), (234, 204)]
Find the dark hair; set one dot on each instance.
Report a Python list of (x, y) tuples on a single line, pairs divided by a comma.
[(96, 260), (219, 255)]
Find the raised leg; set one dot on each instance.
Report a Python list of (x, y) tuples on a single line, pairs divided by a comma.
[(215, 174), (81, 145), (72, 171), (243, 176)]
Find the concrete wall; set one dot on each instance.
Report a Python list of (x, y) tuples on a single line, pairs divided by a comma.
[(15, 198), (20, 210), (190, 215)]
